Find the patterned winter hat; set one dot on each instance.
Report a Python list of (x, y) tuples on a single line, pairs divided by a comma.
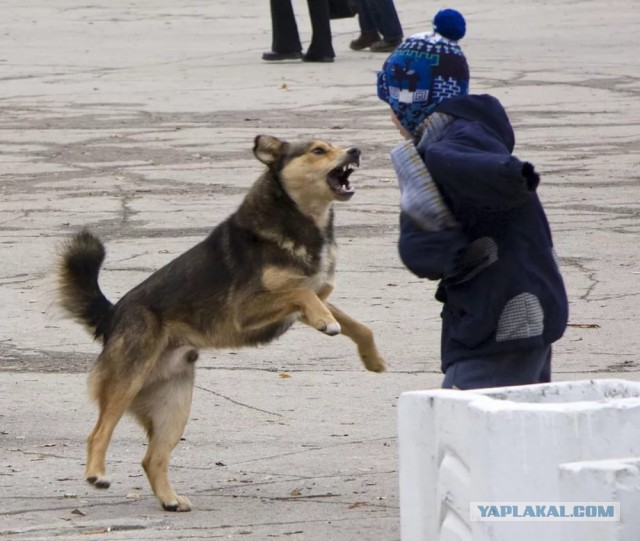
[(425, 69)]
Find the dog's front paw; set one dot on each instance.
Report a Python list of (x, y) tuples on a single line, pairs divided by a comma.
[(373, 362), (178, 504), (332, 328), (327, 326)]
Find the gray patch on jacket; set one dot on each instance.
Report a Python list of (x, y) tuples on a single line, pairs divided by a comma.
[(522, 317)]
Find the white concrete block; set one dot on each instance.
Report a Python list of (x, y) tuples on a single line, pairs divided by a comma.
[(434, 472), (614, 480), (503, 445)]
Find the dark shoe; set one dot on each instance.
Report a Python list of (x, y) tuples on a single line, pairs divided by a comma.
[(272, 55), (307, 58), (365, 40), (384, 46)]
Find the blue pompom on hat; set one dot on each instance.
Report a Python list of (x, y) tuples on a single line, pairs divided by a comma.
[(450, 24), (425, 69)]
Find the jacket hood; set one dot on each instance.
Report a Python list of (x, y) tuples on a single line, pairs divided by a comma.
[(482, 108), (472, 162)]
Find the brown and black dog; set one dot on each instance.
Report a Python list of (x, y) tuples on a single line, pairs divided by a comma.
[(269, 264)]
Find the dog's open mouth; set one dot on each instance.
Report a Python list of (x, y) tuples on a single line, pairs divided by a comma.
[(338, 178)]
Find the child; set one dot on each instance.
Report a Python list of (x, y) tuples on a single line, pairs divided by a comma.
[(470, 217)]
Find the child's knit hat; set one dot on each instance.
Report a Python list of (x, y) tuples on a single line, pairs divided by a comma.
[(425, 69)]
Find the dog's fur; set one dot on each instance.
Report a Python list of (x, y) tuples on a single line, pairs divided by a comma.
[(268, 265)]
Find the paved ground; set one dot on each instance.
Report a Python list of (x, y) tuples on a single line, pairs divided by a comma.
[(138, 117)]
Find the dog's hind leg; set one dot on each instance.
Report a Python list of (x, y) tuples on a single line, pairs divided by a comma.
[(119, 374), (113, 401), (363, 337), (163, 407)]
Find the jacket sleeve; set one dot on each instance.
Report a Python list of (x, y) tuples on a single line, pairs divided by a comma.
[(429, 254)]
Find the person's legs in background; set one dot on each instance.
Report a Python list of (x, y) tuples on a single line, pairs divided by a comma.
[(368, 28), (321, 47), (285, 43), (388, 24)]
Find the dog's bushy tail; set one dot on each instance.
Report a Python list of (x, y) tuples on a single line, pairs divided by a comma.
[(78, 290)]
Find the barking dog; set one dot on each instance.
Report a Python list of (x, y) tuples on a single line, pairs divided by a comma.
[(269, 264)]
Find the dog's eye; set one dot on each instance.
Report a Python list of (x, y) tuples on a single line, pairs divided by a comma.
[(319, 151)]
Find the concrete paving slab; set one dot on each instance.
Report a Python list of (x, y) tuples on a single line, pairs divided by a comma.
[(137, 118)]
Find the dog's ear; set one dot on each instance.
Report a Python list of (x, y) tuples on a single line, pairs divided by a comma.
[(267, 149)]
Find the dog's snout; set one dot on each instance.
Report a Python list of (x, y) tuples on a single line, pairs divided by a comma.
[(355, 152)]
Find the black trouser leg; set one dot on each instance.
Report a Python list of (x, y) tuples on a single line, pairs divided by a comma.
[(321, 29), (284, 28)]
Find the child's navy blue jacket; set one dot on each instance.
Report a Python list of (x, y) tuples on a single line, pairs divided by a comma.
[(499, 279)]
